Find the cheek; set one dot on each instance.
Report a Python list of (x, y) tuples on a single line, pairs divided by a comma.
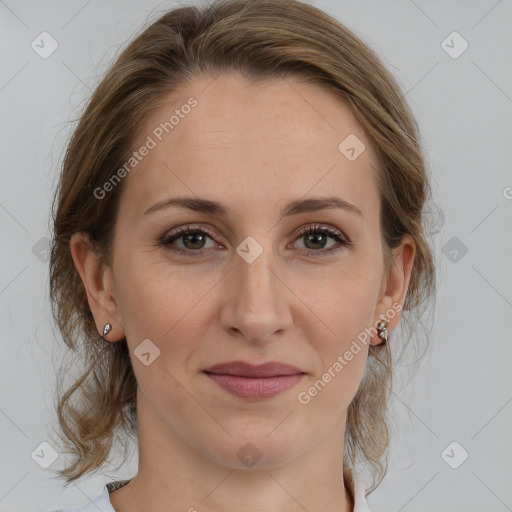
[(159, 307), (156, 296), (164, 304), (343, 355), (340, 312), (343, 302)]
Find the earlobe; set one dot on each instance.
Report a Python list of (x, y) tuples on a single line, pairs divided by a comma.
[(97, 280), (396, 285)]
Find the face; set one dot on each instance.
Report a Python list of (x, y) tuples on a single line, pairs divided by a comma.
[(267, 275)]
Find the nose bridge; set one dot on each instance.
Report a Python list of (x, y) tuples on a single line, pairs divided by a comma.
[(256, 305), (256, 287)]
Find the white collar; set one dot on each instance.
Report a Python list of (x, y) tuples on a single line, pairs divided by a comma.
[(353, 481), (357, 487)]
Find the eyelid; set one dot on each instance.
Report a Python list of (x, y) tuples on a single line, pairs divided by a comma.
[(300, 231), (330, 231), (183, 230)]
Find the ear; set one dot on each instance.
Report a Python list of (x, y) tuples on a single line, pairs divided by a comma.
[(98, 282), (395, 285)]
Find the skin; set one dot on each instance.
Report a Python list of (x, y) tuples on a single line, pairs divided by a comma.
[(253, 149)]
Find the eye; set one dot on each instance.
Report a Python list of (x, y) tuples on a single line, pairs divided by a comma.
[(194, 240), (315, 238)]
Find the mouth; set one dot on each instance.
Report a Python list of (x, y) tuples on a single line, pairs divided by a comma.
[(255, 382)]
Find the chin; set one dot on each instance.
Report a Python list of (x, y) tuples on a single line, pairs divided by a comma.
[(255, 451)]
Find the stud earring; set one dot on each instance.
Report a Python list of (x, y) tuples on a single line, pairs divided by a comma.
[(382, 330), (106, 329)]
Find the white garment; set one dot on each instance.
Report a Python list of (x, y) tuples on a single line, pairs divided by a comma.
[(102, 502)]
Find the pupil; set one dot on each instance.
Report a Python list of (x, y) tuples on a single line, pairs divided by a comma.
[(194, 237), (317, 236)]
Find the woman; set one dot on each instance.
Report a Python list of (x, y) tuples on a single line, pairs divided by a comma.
[(238, 231)]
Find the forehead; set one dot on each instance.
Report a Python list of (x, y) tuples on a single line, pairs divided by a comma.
[(250, 143)]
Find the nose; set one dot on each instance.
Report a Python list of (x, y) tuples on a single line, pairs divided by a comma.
[(256, 305)]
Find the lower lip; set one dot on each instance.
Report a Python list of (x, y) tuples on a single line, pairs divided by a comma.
[(253, 387)]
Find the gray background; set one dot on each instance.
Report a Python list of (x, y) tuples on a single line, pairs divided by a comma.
[(462, 391)]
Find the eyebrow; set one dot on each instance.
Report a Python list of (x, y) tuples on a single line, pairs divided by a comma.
[(309, 205)]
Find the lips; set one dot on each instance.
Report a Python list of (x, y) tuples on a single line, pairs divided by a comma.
[(242, 369), (247, 381)]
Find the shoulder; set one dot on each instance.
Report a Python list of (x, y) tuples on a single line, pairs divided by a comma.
[(99, 504)]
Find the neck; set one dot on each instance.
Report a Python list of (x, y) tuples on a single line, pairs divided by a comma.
[(174, 472)]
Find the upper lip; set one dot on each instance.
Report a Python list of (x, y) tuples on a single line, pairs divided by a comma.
[(243, 369)]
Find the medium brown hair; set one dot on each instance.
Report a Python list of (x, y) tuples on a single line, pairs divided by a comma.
[(259, 40)]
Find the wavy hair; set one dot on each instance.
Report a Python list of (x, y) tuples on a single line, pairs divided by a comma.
[(257, 39)]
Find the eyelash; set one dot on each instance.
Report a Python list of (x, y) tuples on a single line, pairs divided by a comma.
[(306, 230)]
